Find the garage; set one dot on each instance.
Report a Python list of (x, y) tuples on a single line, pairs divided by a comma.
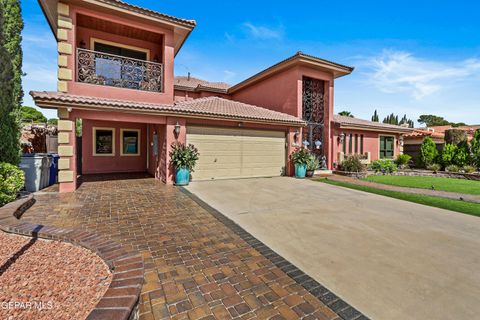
[(237, 153)]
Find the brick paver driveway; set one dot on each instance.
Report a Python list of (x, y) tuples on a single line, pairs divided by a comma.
[(196, 266)]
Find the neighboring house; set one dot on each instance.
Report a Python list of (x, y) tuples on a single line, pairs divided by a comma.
[(414, 140), (116, 73)]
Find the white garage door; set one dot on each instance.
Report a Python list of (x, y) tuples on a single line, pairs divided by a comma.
[(237, 153)]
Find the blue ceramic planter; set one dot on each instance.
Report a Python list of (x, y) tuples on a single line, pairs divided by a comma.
[(300, 170), (182, 177)]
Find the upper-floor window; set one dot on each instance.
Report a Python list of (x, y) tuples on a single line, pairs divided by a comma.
[(313, 103)]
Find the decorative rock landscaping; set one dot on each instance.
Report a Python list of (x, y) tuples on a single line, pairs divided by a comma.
[(44, 279)]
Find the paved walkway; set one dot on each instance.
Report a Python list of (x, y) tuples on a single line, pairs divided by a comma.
[(196, 266), (389, 258), (427, 192)]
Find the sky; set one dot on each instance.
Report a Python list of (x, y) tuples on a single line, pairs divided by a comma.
[(410, 57)]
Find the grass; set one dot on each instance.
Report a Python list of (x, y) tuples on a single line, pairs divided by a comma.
[(443, 203), (441, 184)]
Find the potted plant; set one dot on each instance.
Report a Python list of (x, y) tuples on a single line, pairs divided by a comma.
[(183, 159), (312, 165), (300, 159)]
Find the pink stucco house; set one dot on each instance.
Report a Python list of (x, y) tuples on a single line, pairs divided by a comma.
[(116, 77)]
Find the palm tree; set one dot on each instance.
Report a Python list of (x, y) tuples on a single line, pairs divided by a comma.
[(346, 114)]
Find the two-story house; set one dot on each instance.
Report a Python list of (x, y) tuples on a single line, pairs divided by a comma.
[(116, 81)]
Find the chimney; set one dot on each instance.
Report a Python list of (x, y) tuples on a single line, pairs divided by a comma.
[(188, 76)]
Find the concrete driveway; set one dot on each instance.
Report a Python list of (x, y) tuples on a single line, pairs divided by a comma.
[(389, 258)]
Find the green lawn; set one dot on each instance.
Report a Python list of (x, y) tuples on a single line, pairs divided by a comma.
[(443, 184), (449, 204)]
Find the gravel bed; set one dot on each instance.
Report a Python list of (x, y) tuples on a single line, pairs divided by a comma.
[(43, 279)]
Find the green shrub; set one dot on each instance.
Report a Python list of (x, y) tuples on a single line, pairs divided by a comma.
[(12, 180), (312, 163), (452, 168), (300, 156), (462, 156), (385, 166), (428, 152), (469, 169), (448, 154), (402, 160), (435, 167), (353, 164), (183, 156), (475, 148)]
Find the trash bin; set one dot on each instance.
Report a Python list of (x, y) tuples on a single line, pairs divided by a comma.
[(46, 163), (31, 165), (53, 169)]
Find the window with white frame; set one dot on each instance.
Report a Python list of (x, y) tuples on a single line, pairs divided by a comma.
[(103, 141)]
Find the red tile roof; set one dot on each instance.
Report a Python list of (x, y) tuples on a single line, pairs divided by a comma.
[(360, 123), (195, 84), (421, 133), (211, 107), (148, 12)]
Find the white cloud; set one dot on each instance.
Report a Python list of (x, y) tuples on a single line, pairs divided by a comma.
[(262, 32), (402, 72)]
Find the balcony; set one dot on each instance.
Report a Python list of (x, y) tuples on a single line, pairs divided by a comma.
[(104, 69)]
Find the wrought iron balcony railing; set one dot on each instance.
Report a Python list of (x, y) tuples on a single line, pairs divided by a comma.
[(116, 71)]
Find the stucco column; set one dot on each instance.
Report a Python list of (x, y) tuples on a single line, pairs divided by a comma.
[(67, 174), (291, 146), (65, 48), (168, 175)]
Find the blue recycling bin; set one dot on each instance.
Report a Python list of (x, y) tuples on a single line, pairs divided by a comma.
[(53, 169)]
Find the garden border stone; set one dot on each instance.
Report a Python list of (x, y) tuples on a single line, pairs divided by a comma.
[(115, 304)]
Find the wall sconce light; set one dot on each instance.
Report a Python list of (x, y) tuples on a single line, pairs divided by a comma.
[(240, 124), (295, 135), (401, 141), (177, 129), (305, 143), (341, 138), (318, 144), (82, 44)]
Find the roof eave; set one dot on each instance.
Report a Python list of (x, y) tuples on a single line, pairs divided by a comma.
[(336, 69), (54, 104), (374, 128), (199, 89)]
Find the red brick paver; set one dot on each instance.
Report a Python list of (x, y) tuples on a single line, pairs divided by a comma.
[(195, 266)]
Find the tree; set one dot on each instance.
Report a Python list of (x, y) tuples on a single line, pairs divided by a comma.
[(428, 152), (52, 121), (405, 120), (448, 154), (346, 114), (475, 148), (11, 94), (431, 120), (391, 119), (375, 117), (455, 136), (29, 113)]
